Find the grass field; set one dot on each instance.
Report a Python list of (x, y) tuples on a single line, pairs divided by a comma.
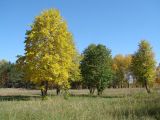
[(114, 104)]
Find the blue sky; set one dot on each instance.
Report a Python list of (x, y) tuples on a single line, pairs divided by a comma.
[(119, 24)]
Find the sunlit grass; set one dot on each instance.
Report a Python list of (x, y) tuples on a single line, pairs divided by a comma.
[(114, 104)]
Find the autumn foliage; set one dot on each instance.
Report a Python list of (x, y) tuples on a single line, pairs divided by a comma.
[(51, 59), (50, 51)]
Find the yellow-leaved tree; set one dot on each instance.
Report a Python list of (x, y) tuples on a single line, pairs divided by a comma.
[(122, 71), (49, 51)]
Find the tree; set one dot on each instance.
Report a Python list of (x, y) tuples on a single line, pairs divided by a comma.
[(50, 51), (121, 67), (10, 76), (75, 75), (128, 71), (143, 65), (15, 77), (158, 75), (4, 73), (96, 67)]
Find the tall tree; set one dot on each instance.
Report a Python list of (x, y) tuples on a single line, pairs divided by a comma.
[(96, 67), (143, 64), (50, 51)]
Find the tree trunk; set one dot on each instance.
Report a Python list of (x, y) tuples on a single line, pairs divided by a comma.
[(99, 92), (58, 90), (42, 92), (91, 91), (121, 84), (44, 89), (128, 84), (147, 88)]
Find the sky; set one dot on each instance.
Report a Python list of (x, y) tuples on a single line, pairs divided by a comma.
[(118, 24)]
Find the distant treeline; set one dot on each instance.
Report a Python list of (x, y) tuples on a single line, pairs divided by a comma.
[(11, 77)]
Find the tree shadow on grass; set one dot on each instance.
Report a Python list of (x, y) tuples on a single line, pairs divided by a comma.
[(95, 96), (19, 98), (23, 97), (150, 108), (153, 112)]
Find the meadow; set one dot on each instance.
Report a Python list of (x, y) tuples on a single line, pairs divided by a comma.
[(114, 104)]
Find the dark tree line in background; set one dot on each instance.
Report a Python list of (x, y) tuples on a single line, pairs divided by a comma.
[(12, 77)]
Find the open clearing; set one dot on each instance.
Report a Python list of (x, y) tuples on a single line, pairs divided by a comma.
[(114, 104)]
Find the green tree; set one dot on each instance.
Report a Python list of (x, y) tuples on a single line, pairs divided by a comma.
[(15, 77), (50, 51), (10, 76), (143, 65), (96, 67), (4, 73)]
